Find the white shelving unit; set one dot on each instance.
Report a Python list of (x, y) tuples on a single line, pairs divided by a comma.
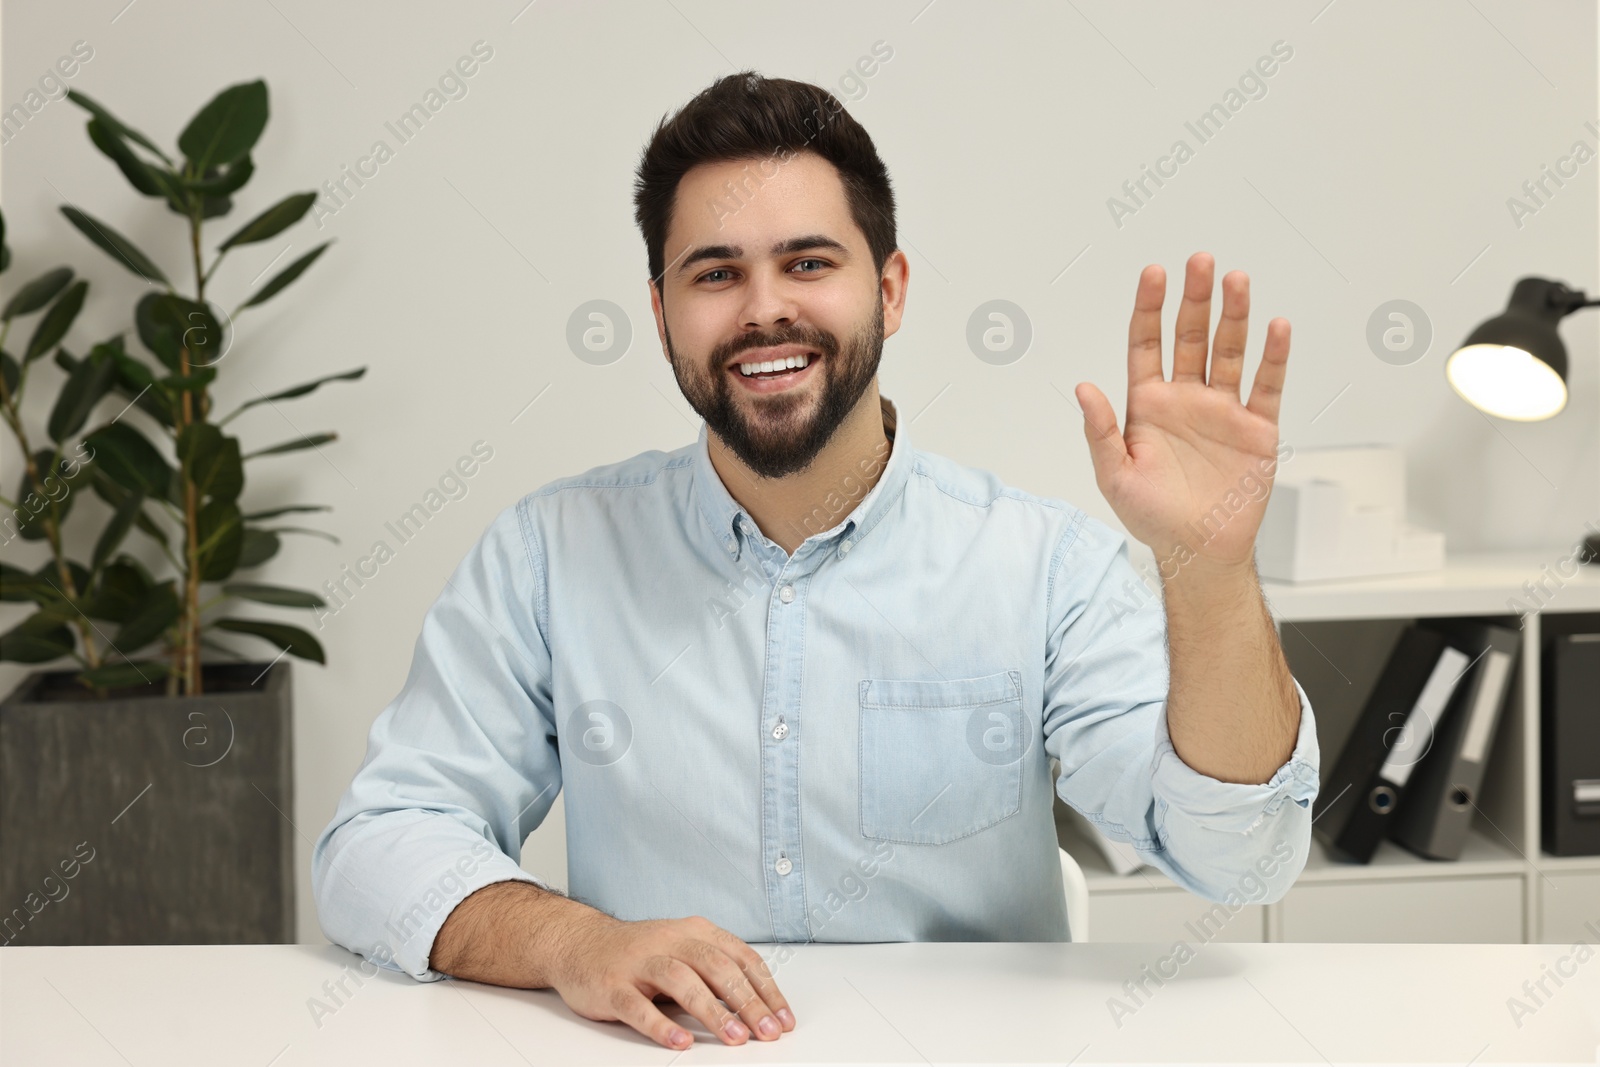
[(1502, 889)]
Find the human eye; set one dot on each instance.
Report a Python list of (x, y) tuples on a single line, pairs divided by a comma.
[(707, 275), (812, 259)]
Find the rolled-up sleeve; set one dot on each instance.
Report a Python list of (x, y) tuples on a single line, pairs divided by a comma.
[(1105, 695), (460, 767)]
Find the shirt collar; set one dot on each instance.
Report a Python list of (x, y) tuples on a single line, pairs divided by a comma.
[(724, 513)]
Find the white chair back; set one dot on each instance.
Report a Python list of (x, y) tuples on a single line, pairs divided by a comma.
[(1077, 890)]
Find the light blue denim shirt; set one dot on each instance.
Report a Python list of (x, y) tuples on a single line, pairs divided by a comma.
[(851, 743)]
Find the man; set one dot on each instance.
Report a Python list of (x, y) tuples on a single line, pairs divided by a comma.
[(802, 681)]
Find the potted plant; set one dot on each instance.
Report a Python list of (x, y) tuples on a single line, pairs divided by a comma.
[(145, 793)]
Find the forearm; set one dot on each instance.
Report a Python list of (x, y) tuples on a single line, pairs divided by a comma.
[(1232, 709), (512, 934)]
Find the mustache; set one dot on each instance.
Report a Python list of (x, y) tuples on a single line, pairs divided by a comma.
[(825, 343)]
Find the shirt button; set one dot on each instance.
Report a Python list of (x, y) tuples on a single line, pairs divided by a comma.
[(780, 731), (844, 546), (786, 594), (783, 866)]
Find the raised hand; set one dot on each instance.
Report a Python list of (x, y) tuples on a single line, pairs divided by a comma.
[(1185, 471)]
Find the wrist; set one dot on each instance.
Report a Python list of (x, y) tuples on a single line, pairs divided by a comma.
[(572, 930), (1211, 575)]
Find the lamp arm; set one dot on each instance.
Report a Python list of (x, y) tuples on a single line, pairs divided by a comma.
[(1567, 300)]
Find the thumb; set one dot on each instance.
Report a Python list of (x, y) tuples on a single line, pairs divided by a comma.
[(1106, 448)]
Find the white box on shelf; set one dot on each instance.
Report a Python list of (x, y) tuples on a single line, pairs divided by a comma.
[(1341, 513)]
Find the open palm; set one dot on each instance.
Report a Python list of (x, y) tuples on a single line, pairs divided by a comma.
[(1190, 471)]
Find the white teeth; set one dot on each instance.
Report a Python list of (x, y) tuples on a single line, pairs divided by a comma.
[(768, 366)]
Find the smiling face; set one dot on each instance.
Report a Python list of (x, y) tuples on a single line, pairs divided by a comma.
[(784, 277)]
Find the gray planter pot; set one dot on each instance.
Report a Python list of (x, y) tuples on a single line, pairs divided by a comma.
[(148, 819)]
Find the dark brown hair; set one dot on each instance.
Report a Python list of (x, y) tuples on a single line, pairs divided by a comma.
[(748, 116)]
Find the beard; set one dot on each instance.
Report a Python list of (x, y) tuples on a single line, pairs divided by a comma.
[(778, 439)]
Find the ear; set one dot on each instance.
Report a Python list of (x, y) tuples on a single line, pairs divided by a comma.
[(660, 313), (892, 290)]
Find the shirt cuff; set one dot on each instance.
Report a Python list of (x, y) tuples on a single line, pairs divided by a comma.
[(1235, 807), (410, 933)]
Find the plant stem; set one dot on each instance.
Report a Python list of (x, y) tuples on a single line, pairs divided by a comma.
[(52, 521), (190, 640)]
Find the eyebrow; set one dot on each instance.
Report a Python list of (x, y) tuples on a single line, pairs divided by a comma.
[(803, 243)]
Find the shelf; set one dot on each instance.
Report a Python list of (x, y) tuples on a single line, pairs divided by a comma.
[(1480, 856), (1469, 584), (1545, 861)]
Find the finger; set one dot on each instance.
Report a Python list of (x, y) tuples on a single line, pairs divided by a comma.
[(756, 973), (1268, 386), (681, 982), (1144, 329), (1227, 352), (1106, 447), (727, 980), (1194, 321), (636, 1009)]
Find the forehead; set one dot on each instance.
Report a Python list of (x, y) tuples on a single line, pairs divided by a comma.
[(753, 203)]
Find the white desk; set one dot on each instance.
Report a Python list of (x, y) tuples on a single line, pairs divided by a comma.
[(879, 1004)]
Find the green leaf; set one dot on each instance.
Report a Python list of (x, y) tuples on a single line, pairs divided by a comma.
[(170, 325), (301, 390), (116, 496), (158, 610), (11, 372), (88, 383), (281, 595), (17, 584), (281, 280), (226, 128), (56, 322), (221, 181), (116, 530), (275, 512), (213, 459), (221, 539), (297, 445), (271, 222), (290, 638), (304, 530), (123, 587), (129, 459), (53, 595), (114, 124), (54, 499), (37, 293), (213, 206), (136, 382), (140, 175), (117, 675), (115, 245), (190, 382), (39, 638), (259, 546)]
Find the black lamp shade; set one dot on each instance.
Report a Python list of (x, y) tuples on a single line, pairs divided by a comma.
[(1515, 364)]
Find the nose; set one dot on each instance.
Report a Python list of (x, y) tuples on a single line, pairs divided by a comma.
[(769, 302)]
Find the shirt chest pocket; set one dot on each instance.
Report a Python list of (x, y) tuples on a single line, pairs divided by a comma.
[(940, 759)]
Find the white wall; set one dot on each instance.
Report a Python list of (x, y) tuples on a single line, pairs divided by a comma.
[(1377, 166)]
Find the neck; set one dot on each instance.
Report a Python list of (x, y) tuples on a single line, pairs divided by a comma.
[(792, 508)]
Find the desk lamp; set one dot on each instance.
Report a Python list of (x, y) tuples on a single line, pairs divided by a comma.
[(1514, 365)]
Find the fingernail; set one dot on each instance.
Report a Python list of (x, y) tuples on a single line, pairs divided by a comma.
[(735, 1030), (678, 1037), (768, 1025), (786, 1016)]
